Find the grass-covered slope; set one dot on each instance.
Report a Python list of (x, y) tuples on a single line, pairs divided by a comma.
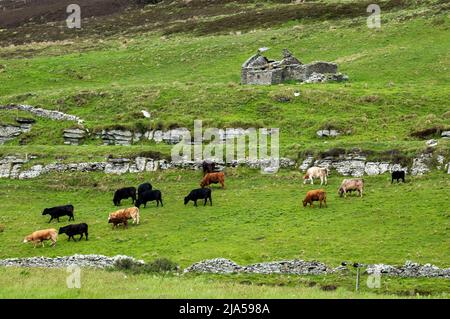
[(398, 80)]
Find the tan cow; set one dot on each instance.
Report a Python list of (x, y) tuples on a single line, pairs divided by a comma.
[(39, 236), (350, 185), (126, 213), (316, 172)]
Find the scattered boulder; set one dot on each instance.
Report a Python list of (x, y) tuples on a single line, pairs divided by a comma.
[(445, 134), (328, 133), (431, 143)]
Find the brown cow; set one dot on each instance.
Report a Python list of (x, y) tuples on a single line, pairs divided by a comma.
[(41, 235), (315, 195), (213, 178), (118, 220), (119, 216), (349, 185)]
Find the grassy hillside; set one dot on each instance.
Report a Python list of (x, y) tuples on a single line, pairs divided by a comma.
[(398, 80)]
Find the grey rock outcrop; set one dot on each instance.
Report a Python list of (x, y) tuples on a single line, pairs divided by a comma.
[(74, 136), (9, 132), (117, 137), (421, 164)]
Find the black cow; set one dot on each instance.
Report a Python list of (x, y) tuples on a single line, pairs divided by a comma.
[(75, 229), (149, 196), (199, 193), (398, 175), (208, 167), (144, 188), (124, 193), (56, 212)]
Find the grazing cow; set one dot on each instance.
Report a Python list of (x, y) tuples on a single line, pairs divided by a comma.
[(199, 193), (125, 214), (316, 172), (39, 236), (144, 188), (208, 167), (348, 185), (124, 193), (75, 229), (314, 196), (149, 196), (213, 178), (117, 221), (398, 175), (56, 212)]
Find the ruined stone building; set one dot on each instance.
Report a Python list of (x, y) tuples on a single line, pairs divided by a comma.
[(260, 70)]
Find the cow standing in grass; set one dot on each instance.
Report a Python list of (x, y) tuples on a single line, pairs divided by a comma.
[(208, 167), (213, 178), (315, 195), (199, 193), (124, 193), (398, 175), (59, 211), (122, 216), (145, 187), (149, 196), (39, 236), (76, 229), (316, 172), (349, 185)]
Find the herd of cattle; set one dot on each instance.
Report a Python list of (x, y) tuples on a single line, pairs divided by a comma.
[(145, 193)]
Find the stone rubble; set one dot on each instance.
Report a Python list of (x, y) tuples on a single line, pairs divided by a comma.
[(409, 269), (95, 261), (226, 266), (54, 115), (301, 267)]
